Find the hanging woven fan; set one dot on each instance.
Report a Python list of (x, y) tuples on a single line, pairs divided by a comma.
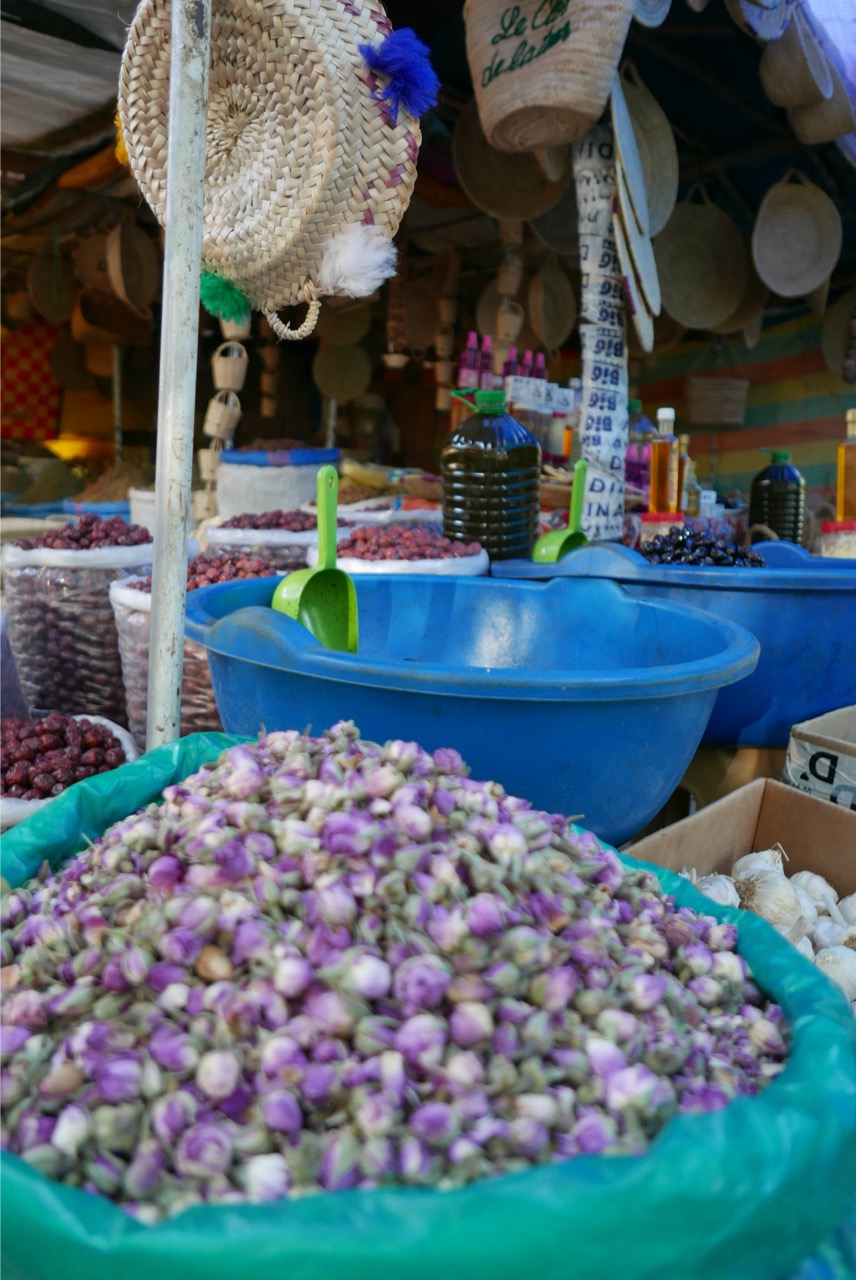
[(312, 139)]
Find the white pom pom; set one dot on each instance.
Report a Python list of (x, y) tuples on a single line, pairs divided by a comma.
[(357, 262)]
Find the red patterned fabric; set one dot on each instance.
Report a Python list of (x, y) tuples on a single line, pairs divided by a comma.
[(31, 397)]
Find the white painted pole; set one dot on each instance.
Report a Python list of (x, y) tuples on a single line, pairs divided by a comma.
[(188, 113)]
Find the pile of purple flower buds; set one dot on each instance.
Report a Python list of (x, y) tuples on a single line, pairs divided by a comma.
[(323, 964), (403, 542)]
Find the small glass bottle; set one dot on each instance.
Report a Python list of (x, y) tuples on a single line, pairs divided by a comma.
[(664, 465), (693, 491), (683, 470), (845, 489)]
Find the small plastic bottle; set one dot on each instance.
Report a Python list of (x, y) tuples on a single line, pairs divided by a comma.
[(467, 379), (637, 473), (485, 380), (845, 488), (664, 465), (683, 470)]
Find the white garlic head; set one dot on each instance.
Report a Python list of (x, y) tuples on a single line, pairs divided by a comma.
[(847, 907), (766, 860), (719, 889), (805, 948), (826, 933), (839, 964), (769, 894), (808, 906)]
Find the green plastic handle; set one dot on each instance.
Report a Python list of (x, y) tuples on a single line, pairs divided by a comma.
[(578, 493), (327, 495)]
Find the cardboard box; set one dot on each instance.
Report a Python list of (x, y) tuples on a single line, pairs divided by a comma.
[(821, 757), (815, 835)]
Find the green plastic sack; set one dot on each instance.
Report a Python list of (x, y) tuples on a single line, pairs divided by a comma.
[(743, 1194)]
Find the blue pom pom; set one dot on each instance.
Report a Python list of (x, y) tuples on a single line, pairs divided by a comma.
[(404, 59)]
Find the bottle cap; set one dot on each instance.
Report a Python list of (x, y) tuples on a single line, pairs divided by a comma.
[(665, 415), (778, 455), (662, 517), (634, 406), (472, 338), (838, 526), (491, 401)]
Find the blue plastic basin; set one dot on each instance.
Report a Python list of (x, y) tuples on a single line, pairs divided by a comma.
[(572, 694), (802, 608)]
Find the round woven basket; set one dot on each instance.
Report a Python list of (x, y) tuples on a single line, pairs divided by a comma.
[(90, 264), (825, 121), (639, 244), (655, 141), (557, 228), (304, 153), (628, 158), (711, 401), (543, 73), (229, 365), (102, 317), (797, 237), (133, 265), (837, 332), (652, 13), (552, 306), (640, 313), (794, 70), (345, 325), (52, 288), (764, 22), (818, 297), (702, 263), (342, 373), (667, 334), (503, 185), (752, 304)]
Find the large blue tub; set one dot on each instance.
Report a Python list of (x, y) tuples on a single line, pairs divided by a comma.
[(802, 608), (572, 694)]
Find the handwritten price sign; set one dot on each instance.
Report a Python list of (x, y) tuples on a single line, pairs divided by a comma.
[(603, 336)]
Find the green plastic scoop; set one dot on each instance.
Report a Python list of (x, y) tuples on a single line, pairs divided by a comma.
[(558, 542), (323, 599)]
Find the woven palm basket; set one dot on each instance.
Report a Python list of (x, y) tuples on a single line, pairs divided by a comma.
[(307, 167)]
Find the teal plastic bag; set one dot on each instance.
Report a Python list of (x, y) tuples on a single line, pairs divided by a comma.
[(743, 1194)]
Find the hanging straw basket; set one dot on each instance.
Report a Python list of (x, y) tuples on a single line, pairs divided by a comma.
[(222, 416), (652, 13), (797, 237), (713, 401), (50, 281), (656, 146), (229, 365), (542, 74), (311, 154), (794, 70), (751, 305), (505, 186), (825, 121), (702, 263)]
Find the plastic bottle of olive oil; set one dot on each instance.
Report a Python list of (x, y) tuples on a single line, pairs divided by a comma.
[(845, 490)]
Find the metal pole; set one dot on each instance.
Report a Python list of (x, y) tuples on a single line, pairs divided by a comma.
[(117, 400), (188, 112)]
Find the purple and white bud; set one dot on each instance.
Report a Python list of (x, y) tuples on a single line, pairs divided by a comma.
[(172, 1049), (73, 1127), (706, 990), (335, 902), (145, 1170), (265, 1177), (507, 842), (165, 872), (340, 1163), (447, 929), (243, 777), (292, 976), (605, 1057), (421, 982), (765, 1037), (366, 975), (203, 1151), (554, 989), (528, 1137), (471, 1024), (435, 1123), (218, 1073), (594, 1131), (24, 1009), (646, 990), (172, 1114), (695, 958), (485, 915), (281, 1111), (330, 1012), (119, 1077), (463, 1072), (422, 1040)]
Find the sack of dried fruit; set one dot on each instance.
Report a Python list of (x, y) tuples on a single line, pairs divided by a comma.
[(406, 549), (131, 599), (283, 537), (61, 624), (363, 1014)]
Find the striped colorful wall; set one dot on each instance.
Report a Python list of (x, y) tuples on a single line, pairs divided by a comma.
[(794, 403)]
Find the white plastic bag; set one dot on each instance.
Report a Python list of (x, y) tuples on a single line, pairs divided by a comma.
[(285, 549), (13, 811), (475, 566), (61, 626), (242, 488), (132, 610)]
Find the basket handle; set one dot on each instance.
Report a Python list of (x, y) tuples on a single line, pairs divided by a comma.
[(772, 536), (698, 188), (799, 175), (285, 331)]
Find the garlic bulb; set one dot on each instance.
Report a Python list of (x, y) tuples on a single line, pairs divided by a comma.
[(719, 889), (769, 894), (839, 964), (766, 860), (808, 907), (821, 890), (805, 948), (826, 933), (847, 907)]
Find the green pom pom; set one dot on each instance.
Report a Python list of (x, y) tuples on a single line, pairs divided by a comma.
[(223, 299)]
